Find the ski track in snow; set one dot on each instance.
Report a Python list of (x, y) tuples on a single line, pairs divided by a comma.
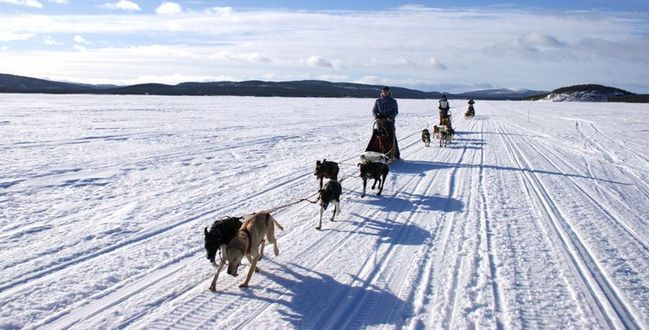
[(518, 223)]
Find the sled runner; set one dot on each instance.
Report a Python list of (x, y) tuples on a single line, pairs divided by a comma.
[(382, 146)]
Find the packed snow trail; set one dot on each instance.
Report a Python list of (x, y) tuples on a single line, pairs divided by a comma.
[(518, 223)]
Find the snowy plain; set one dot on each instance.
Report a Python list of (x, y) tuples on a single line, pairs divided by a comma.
[(536, 216)]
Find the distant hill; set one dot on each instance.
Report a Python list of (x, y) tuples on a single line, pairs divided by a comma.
[(19, 84), (585, 93), (500, 94), (310, 88), (303, 88)]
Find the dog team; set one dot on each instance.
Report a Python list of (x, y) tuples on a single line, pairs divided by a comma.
[(236, 239)]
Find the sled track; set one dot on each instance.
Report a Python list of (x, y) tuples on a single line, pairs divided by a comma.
[(471, 254), (603, 293), (23, 283), (49, 273), (213, 305), (105, 305), (445, 309), (614, 219)]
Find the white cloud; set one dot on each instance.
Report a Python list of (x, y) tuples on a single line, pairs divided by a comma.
[(221, 11), (436, 64), (51, 42), (253, 57), (535, 47), (79, 48), (9, 36), (319, 62), (497, 47), (176, 78), (79, 39), (160, 51), (61, 2), (371, 80), (125, 5), (168, 8), (538, 41), (405, 62), (28, 3)]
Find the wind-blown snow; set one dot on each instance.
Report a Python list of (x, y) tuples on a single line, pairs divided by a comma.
[(534, 217)]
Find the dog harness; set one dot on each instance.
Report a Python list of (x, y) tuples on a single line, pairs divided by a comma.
[(245, 230)]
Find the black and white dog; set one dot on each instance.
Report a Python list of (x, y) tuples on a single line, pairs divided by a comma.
[(329, 194), (425, 137), (218, 238)]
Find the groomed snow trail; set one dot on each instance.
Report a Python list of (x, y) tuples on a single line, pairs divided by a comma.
[(534, 216)]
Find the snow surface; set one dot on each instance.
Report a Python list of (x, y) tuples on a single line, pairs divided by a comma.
[(536, 216)]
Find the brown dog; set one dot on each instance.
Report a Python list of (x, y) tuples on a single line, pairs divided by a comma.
[(249, 242), (326, 169), (436, 134)]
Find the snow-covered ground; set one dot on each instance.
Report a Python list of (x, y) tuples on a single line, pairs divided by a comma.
[(536, 216)]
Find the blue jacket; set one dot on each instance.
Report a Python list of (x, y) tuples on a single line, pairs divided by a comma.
[(385, 107)]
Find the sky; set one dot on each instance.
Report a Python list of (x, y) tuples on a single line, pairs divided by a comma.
[(446, 46)]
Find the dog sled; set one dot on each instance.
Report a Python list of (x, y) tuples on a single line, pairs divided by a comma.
[(446, 120), (383, 146)]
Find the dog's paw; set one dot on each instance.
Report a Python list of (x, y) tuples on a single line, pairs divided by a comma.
[(243, 285), (318, 228), (257, 269), (212, 288)]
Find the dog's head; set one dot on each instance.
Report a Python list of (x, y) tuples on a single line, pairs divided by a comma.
[(213, 240), (318, 166), (425, 133), (234, 254), (221, 232)]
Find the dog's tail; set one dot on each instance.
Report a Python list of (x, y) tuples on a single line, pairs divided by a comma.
[(277, 223)]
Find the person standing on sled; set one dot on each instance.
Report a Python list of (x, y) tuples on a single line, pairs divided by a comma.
[(386, 108), (444, 111)]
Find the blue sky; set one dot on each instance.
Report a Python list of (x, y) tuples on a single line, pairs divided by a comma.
[(449, 46)]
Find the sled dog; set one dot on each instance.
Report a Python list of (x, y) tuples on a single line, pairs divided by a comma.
[(249, 242), (329, 194), (218, 238), (425, 137)]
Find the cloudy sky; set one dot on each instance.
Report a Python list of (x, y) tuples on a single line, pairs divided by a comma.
[(449, 45)]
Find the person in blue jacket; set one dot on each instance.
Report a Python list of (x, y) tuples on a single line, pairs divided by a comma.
[(385, 107)]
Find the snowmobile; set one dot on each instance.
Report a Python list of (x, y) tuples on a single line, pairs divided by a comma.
[(383, 146)]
